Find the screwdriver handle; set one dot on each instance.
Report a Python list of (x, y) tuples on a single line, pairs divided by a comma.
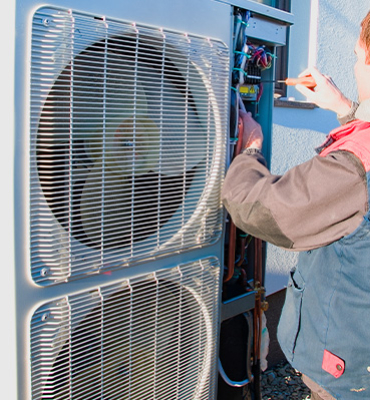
[(307, 81)]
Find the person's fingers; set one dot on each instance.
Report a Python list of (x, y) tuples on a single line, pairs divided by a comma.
[(315, 73), (246, 116), (243, 113), (311, 70), (311, 95), (318, 76), (240, 123), (305, 91), (306, 72)]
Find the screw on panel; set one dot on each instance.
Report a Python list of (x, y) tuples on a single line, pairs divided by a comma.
[(44, 317), (44, 272), (46, 21)]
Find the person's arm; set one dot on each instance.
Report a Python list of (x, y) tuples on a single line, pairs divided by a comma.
[(310, 206)]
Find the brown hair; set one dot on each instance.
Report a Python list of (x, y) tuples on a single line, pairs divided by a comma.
[(365, 35)]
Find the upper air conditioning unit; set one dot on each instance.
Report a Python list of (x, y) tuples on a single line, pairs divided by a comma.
[(128, 127)]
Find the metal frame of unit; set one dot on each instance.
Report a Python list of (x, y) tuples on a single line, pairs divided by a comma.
[(94, 309)]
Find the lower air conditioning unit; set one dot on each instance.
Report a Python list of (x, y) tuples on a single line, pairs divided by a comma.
[(148, 337)]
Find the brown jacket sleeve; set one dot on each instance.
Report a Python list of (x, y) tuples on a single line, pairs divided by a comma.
[(312, 205)]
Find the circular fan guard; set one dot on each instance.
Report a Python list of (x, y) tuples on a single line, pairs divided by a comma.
[(135, 354), (110, 143)]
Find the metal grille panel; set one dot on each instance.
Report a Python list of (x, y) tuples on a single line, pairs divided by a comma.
[(149, 337), (128, 127)]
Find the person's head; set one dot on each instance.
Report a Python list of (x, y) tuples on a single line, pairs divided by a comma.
[(365, 35), (362, 66)]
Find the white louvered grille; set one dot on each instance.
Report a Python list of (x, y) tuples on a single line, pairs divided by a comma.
[(128, 126), (149, 337)]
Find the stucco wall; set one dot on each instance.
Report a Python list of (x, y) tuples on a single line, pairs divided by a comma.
[(327, 39)]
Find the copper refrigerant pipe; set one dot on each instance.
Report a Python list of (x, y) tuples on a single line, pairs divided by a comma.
[(231, 254), (232, 227), (257, 317), (258, 288)]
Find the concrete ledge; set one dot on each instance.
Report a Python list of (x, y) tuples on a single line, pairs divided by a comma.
[(285, 102)]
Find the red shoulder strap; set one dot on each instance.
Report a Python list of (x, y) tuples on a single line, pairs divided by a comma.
[(353, 137)]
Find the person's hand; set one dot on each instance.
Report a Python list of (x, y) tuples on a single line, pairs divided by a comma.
[(326, 94), (252, 132)]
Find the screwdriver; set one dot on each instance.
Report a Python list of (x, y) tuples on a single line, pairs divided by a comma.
[(307, 81)]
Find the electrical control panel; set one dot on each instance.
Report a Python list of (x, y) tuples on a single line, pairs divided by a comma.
[(256, 38)]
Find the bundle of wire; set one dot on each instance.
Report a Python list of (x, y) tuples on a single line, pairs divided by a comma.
[(259, 56), (240, 59), (240, 46)]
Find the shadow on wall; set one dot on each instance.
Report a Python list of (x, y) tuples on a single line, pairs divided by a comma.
[(276, 302)]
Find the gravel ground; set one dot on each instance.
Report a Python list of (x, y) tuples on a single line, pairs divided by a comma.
[(282, 382)]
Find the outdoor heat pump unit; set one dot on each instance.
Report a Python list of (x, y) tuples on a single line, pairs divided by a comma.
[(116, 153)]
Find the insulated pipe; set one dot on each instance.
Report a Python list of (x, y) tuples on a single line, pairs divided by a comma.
[(249, 377)]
